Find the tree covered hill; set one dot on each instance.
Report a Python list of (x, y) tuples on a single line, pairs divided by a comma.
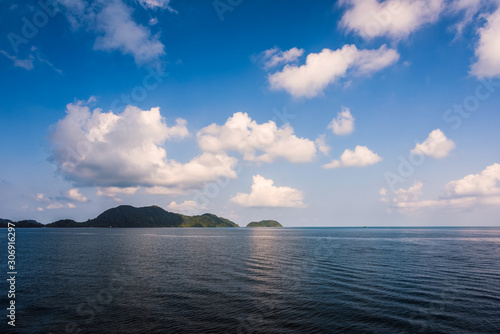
[(129, 216), (265, 223)]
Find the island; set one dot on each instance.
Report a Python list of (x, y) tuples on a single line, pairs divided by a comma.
[(265, 223), (129, 216)]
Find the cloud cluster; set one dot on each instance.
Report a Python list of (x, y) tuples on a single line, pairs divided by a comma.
[(265, 194), (361, 156), (70, 197), (328, 66), (256, 142), (436, 145), (470, 191), (126, 150), (391, 18), (397, 19), (343, 124)]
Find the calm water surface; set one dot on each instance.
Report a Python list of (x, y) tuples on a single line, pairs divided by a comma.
[(289, 280)]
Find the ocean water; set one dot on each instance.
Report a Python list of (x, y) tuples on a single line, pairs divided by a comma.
[(288, 280)]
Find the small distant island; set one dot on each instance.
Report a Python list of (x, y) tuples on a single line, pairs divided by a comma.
[(129, 216), (265, 223)]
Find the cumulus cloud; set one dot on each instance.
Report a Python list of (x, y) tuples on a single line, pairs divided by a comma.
[(74, 195), (360, 157), (436, 145), (115, 27), (483, 184), (265, 194), (328, 66), (274, 57), (186, 207), (391, 18), (488, 50), (343, 124), (256, 142), (470, 191), (102, 149)]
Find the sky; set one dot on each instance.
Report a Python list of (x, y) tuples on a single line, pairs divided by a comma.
[(312, 113)]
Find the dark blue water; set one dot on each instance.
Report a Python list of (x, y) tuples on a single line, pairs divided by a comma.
[(317, 280)]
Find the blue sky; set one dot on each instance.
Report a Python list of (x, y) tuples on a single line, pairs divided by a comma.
[(328, 113)]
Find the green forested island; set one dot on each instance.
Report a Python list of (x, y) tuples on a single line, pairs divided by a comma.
[(129, 216), (265, 223)]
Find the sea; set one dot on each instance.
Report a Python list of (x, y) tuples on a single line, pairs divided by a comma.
[(260, 280)]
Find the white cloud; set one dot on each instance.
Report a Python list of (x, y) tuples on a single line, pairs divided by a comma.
[(115, 192), (27, 63), (41, 198), (256, 142), (54, 206), (120, 32), (126, 150), (483, 184), (74, 194), (392, 18), (265, 194), (436, 145), (328, 66), (343, 124), (471, 191), (488, 50), (360, 157), (164, 191), (186, 207), (411, 194), (322, 145), (157, 4), (469, 8), (274, 57), (115, 27)]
